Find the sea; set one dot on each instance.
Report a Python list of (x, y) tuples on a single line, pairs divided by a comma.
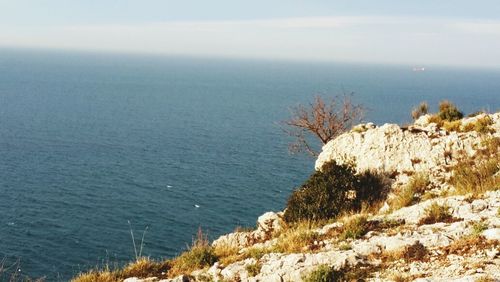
[(95, 147)]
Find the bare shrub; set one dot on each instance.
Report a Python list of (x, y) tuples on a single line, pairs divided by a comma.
[(321, 119)]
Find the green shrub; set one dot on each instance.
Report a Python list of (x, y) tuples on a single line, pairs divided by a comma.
[(371, 189), (324, 195), (448, 111), (334, 189), (324, 273)]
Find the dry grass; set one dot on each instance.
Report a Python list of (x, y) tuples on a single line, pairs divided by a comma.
[(482, 125), (97, 276), (476, 178), (296, 238), (420, 110), (453, 125), (399, 277), (253, 269), (480, 173), (436, 119), (227, 254), (256, 252), (408, 195), (485, 279), (415, 252), (243, 229), (199, 255), (468, 245), (437, 213), (145, 267)]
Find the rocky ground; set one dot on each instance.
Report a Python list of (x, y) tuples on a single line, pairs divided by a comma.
[(400, 245)]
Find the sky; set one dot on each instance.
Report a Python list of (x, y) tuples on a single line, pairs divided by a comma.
[(424, 32)]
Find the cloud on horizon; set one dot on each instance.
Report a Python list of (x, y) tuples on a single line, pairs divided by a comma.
[(410, 40)]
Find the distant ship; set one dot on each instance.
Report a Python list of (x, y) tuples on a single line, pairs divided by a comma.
[(418, 69)]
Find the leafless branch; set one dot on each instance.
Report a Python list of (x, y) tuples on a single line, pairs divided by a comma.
[(322, 120)]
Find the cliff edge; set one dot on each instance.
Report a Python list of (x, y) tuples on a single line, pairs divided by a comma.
[(446, 230)]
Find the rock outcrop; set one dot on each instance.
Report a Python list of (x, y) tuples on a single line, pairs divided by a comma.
[(465, 247), (421, 147), (267, 225)]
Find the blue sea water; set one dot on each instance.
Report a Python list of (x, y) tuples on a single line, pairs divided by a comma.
[(90, 141)]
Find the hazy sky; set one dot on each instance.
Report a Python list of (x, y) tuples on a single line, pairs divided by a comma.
[(449, 32)]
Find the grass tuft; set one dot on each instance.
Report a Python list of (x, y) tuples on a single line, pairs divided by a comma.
[(199, 255), (355, 227), (437, 213), (145, 267), (296, 238), (408, 195), (97, 276), (480, 173), (253, 269)]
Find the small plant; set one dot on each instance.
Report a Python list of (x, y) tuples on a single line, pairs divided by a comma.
[(324, 273), (345, 247), (256, 252), (415, 252), (354, 228), (478, 228), (449, 112), (436, 213), (199, 255), (253, 269), (420, 110)]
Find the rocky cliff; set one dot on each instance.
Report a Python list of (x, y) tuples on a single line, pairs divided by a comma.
[(399, 244)]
